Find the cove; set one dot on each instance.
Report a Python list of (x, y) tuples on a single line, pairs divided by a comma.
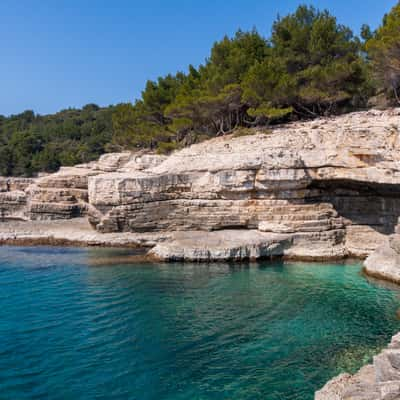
[(74, 324)]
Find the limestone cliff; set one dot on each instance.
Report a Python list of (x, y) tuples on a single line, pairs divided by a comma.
[(321, 189)]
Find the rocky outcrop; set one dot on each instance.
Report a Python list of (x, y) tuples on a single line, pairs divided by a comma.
[(378, 381), (236, 245), (327, 189), (64, 195), (221, 245)]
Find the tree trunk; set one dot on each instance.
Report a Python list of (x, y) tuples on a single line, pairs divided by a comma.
[(396, 94)]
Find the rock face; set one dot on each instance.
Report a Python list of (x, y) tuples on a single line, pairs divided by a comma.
[(13, 198), (221, 245), (379, 381), (328, 188)]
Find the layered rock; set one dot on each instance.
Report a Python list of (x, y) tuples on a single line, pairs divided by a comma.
[(60, 196), (73, 232), (237, 245), (64, 195), (378, 381), (13, 198)]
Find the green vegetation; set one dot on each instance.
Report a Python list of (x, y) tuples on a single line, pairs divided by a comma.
[(383, 47), (310, 66), (31, 143)]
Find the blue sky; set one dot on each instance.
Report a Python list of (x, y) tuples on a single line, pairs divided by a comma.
[(57, 54)]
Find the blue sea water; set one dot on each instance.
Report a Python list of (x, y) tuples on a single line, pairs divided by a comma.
[(86, 324)]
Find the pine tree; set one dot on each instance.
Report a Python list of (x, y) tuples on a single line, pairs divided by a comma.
[(384, 50)]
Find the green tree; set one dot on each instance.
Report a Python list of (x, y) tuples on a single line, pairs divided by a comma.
[(384, 50), (269, 89), (210, 100), (231, 58), (314, 68), (135, 127)]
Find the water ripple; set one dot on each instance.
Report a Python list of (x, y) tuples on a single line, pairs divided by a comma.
[(181, 332)]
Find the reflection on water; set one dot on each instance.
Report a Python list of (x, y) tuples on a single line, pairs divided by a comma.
[(172, 331)]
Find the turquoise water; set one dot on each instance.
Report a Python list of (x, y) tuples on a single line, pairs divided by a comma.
[(73, 326)]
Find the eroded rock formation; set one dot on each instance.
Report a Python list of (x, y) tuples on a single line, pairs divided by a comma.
[(327, 188), (13, 198), (337, 179)]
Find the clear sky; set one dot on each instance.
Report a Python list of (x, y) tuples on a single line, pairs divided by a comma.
[(56, 54)]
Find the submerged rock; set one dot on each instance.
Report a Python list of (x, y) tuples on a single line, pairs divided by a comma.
[(378, 381)]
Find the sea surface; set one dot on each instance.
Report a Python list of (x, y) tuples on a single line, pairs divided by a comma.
[(90, 324)]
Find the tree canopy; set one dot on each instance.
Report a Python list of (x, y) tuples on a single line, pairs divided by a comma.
[(315, 67), (383, 47)]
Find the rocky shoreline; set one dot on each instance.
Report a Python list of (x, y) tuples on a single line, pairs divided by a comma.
[(321, 190), (74, 232), (324, 189)]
